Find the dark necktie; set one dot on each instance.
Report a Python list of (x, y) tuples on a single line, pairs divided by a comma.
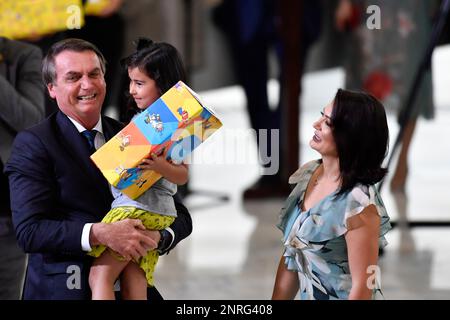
[(90, 137)]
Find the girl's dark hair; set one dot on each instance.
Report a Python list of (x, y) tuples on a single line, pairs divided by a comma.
[(361, 135), (158, 60)]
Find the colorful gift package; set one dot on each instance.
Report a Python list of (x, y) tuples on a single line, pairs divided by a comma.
[(21, 19), (173, 125)]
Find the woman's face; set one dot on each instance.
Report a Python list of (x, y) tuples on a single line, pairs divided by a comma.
[(323, 141), (143, 89)]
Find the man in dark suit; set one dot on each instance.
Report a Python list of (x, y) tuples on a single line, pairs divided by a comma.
[(58, 195), (21, 105)]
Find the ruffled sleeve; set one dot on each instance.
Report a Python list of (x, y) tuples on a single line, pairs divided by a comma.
[(301, 178), (359, 198)]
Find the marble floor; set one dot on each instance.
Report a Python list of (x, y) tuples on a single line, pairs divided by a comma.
[(235, 247)]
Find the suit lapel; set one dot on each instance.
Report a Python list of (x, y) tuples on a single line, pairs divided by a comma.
[(109, 130), (78, 149)]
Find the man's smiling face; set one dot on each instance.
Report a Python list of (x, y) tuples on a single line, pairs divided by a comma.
[(79, 87)]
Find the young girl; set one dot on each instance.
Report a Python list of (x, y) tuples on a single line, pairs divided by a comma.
[(153, 69)]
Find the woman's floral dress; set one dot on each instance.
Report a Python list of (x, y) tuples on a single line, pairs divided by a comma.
[(314, 240)]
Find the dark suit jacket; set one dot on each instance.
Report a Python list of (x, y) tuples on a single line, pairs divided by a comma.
[(55, 190)]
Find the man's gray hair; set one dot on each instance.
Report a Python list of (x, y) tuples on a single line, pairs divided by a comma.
[(71, 44)]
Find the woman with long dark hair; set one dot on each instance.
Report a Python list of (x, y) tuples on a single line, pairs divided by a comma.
[(334, 221)]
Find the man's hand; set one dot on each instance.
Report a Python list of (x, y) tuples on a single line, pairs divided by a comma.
[(128, 238), (155, 235)]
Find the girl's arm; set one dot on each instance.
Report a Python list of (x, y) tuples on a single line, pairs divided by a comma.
[(362, 248), (177, 174), (286, 283)]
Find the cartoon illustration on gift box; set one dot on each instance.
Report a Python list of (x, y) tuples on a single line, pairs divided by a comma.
[(179, 87), (123, 173), (126, 174), (206, 125), (184, 114), (140, 182), (148, 119), (155, 121), (119, 170), (124, 141)]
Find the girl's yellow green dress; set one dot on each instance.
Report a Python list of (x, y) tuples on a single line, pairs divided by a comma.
[(139, 209)]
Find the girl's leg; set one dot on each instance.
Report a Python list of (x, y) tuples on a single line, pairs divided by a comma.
[(133, 283), (104, 272)]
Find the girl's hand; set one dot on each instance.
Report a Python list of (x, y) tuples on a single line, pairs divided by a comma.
[(177, 174), (155, 163)]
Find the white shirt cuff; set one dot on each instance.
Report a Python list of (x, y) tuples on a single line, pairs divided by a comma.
[(85, 245), (173, 236)]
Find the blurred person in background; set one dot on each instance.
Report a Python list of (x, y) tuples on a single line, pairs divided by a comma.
[(251, 28), (385, 61), (21, 106), (104, 27)]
